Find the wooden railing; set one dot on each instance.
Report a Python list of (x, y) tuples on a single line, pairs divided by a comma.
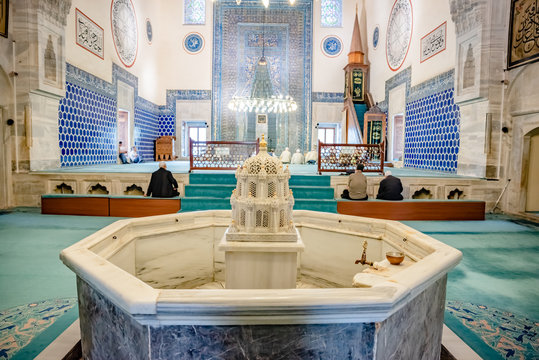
[(345, 157), (219, 155)]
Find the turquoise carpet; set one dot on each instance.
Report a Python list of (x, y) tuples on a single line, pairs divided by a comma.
[(208, 191), (38, 293), (492, 295)]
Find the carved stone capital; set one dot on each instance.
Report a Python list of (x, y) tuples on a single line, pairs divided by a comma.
[(468, 14), (54, 10)]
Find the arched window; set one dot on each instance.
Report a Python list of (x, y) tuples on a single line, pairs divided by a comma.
[(258, 218), (194, 12), (271, 190), (281, 218), (331, 13)]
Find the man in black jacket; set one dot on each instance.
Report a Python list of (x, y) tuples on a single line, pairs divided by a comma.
[(390, 188), (162, 183)]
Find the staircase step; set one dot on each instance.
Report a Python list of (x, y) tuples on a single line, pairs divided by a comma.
[(205, 203), (221, 191), (230, 179), (316, 205), (212, 178), (310, 180), (312, 192), (213, 190)]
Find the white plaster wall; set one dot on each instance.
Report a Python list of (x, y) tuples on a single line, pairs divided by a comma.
[(146, 66), (177, 68), (328, 74), (427, 15)]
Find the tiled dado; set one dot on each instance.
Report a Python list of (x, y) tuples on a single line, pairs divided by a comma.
[(432, 132), (87, 117), (106, 329), (432, 126)]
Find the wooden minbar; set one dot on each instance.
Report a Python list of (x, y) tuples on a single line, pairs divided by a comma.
[(164, 148)]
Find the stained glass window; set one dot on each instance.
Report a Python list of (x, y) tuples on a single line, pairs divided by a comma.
[(331, 13), (194, 12)]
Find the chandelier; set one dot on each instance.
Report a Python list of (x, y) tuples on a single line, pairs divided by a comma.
[(262, 98)]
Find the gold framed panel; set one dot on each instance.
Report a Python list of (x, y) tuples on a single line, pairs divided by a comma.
[(523, 33)]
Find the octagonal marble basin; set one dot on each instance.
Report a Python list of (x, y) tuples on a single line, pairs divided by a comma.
[(152, 288)]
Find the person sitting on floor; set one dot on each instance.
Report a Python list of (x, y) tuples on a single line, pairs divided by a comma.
[(162, 183), (122, 153), (285, 156), (357, 185), (297, 158), (390, 188), (134, 156), (311, 157)]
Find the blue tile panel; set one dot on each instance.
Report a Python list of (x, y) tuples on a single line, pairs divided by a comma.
[(146, 131), (87, 127), (432, 132), (167, 125), (87, 118), (292, 52)]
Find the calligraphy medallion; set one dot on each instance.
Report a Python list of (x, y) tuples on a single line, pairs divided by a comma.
[(193, 43), (332, 46), (124, 30), (399, 33)]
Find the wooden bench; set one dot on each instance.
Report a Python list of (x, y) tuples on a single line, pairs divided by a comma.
[(414, 209), (108, 205)]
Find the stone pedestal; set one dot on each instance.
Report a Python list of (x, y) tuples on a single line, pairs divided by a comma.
[(261, 264)]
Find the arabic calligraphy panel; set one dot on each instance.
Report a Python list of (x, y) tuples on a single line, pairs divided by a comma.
[(434, 42), (89, 35), (523, 33)]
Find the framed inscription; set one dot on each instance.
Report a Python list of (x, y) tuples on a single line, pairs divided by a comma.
[(4, 17), (358, 85), (90, 36), (261, 118), (434, 42), (523, 33)]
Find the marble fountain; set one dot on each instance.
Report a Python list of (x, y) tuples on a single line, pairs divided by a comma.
[(241, 284)]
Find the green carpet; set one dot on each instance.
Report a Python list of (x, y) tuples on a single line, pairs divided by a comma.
[(492, 295), (33, 277), (208, 191)]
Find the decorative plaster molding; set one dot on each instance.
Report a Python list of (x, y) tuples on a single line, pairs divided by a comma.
[(467, 14), (56, 10)]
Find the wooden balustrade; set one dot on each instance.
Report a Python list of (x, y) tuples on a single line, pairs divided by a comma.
[(220, 155), (345, 157)]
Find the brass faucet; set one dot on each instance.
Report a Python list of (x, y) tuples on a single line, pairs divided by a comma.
[(363, 260)]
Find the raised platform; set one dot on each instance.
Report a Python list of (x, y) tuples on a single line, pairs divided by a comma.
[(414, 209), (105, 205), (117, 179)]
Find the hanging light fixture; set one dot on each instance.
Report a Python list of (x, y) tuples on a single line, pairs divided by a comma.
[(262, 98)]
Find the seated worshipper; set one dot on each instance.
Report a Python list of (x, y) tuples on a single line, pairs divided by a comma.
[(357, 185), (311, 157), (390, 188), (162, 183), (134, 156), (285, 156), (122, 152), (297, 158)]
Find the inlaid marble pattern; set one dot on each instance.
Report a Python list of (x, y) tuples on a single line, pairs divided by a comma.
[(422, 320), (106, 330), (332, 341)]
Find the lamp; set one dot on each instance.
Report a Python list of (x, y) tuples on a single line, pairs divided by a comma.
[(262, 98)]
